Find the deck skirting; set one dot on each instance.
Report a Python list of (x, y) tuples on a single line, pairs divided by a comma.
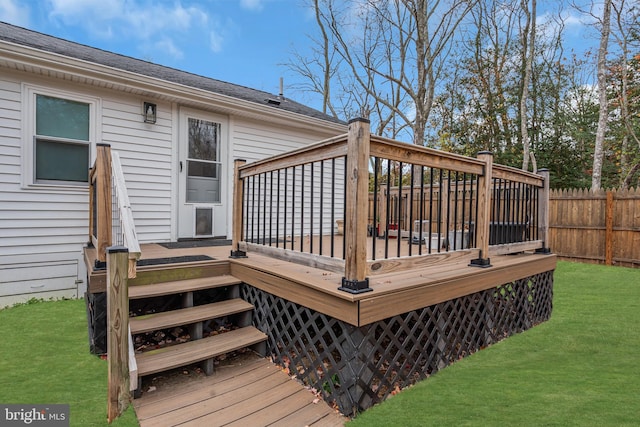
[(356, 367)]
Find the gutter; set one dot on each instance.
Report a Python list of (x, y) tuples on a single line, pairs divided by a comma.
[(129, 81)]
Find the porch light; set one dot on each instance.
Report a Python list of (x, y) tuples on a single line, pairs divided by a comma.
[(149, 112)]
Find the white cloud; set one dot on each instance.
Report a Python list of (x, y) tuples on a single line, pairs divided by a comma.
[(215, 41), (86, 11), (151, 24), (254, 5), (13, 12), (167, 46)]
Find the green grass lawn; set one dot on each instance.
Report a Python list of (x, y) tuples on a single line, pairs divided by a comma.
[(44, 358), (578, 369)]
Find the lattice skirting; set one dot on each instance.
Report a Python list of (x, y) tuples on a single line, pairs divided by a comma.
[(356, 367)]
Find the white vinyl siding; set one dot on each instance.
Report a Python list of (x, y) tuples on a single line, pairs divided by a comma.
[(41, 232), (254, 141), (146, 154), (43, 228)]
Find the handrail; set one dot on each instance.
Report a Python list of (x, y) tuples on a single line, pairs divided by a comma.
[(325, 149), (287, 205), (128, 228), (113, 234), (110, 215)]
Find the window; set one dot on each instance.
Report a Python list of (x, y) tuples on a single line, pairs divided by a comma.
[(61, 140), (203, 165), (59, 133)]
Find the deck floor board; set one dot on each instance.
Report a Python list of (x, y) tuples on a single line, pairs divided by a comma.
[(257, 393)]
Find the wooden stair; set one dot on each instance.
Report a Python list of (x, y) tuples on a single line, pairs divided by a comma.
[(184, 316), (199, 348), (163, 359), (180, 286)]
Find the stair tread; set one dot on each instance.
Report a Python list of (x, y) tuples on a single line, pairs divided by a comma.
[(186, 316), (178, 286), (163, 359)]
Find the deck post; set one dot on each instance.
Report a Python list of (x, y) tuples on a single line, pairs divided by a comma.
[(101, 210), (357, 205), (543, 213), (484, 211), (238, 197), (119, 394)]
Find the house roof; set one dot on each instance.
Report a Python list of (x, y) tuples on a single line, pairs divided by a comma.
[(21, 36)]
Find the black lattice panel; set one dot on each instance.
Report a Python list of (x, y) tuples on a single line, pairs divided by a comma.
[(355, 367)]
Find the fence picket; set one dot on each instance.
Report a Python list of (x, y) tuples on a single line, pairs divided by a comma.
[(578, 228)]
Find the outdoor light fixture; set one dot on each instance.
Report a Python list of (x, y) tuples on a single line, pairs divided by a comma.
[(149, 112)]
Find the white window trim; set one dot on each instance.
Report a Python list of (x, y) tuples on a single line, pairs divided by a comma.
[(29, 93)]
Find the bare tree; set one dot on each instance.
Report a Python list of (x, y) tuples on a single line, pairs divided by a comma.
[(528, 52), (626, 33), (598, 154), (393, 53)]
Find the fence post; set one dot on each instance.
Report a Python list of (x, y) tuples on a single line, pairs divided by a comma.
[(102, 201), (119, 394), (238, 197), (608, 245), (357, 204), (543, 213), (484, 212)]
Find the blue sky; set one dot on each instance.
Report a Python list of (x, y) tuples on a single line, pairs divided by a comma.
[(243, 42), (239, 41)]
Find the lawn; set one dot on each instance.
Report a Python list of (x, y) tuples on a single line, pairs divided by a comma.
[(578, 369), (44, 358)]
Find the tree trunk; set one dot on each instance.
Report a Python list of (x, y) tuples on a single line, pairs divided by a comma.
[(530, 27), (598, 155)]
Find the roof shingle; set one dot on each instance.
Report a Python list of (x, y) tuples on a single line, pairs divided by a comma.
[(25, 37)]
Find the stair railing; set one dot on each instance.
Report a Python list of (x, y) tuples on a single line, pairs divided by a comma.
[(123, 227), (113, 234), (110, 214)]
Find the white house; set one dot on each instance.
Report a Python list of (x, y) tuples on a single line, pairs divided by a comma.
[(58, 99)]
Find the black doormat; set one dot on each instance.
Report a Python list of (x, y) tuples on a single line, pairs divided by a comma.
[(200, 243), (99, 265), (173, 260)]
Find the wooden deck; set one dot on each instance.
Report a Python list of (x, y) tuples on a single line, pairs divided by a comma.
[(252, 393), (259, 393), (448, 276)]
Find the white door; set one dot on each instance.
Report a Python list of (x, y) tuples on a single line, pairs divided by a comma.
[(202, 187)]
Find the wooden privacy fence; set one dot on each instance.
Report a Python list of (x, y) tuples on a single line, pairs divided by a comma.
[(600, 227)]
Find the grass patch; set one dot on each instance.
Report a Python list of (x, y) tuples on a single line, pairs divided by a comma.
[(44, 358), (578, 369)]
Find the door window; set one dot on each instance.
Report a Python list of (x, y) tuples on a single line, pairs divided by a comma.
[(203, 162)]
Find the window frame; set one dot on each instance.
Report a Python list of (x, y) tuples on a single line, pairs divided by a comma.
[(30, 93)]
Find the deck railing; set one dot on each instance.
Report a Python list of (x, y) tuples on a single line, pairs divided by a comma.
[(362, 205), (110, 215), (113, 234)]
